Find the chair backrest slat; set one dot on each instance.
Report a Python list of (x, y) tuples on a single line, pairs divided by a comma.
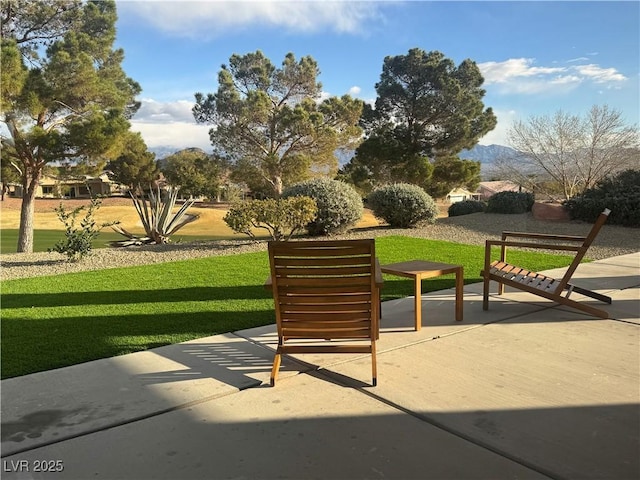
[(324, 289)]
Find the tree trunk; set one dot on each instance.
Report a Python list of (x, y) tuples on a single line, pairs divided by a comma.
[(25, 234), (277, 186)]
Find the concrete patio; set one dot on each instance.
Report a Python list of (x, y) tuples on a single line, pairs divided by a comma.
[(525, 390)]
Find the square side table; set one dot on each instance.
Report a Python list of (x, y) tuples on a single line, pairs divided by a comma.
[(420, 269)]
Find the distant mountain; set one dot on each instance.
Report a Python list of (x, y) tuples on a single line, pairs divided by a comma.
[(487, 153), (162, 159), (163, 151), (487, 156)]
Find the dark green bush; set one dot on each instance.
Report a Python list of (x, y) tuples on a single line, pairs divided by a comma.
[(510, 202), (403, 205), (620, 194), (466, 207), (339, 205)]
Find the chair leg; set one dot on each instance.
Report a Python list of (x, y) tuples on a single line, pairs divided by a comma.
[(276, 367), (485, 294), (374, 367)]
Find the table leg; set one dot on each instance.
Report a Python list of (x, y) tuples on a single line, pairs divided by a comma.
[(459, 291), (418, 302)]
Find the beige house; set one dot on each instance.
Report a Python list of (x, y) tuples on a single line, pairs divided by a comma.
[(80, 187), (460, 195)]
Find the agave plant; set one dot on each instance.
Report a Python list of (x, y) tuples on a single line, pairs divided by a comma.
[(157, 217)]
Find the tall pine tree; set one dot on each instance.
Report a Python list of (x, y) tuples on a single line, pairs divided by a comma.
[(72, 104)]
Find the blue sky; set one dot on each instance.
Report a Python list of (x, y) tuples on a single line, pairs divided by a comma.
[(536, 57)]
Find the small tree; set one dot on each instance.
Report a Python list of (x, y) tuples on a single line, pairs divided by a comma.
[(574, 152), (9, 173), (451, 172), (275, 216), (135, 165), (196, 173), (270, 122), (78, 242)]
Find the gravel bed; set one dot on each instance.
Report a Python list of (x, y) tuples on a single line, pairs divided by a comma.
[(471, 229)]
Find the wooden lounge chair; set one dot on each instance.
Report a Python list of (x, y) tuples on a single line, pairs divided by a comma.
[(325, 290), (557, 290)]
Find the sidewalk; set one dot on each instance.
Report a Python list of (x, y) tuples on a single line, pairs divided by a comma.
[(524, 390)]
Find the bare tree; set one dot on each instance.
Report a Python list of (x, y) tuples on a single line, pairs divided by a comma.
[(569, 152)]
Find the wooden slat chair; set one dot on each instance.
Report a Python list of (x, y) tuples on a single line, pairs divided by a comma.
[(557, 290), (325, 290)]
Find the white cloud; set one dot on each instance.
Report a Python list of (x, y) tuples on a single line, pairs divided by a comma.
[(152, 111), (600, 75), (522, 76), (177, 134), (498, 136), (502, 72), (565, 80), (163, 124), (579, 59), (355, 91), (212, 19)]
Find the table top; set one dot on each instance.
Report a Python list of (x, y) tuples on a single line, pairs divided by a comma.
[(420, 267)]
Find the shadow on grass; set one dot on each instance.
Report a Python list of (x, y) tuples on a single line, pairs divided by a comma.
[(30, 346), (393, 288), (123, 297)]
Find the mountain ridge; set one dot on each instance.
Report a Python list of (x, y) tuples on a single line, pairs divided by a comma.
[(485, 154)]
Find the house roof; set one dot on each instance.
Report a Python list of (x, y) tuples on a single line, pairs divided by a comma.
[(459, 191), (499, 186)]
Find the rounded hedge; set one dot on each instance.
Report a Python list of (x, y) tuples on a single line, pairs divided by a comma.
[(620, 194), (403, 205), (465, 207), (339, 205), (510, 202)]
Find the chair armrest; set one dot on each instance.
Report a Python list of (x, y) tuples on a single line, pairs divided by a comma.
[(379, 279), (546, 246), (545, 236)]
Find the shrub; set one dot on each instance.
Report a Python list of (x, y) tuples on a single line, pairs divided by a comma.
[(620, 193), (510, 202), (77, 242), (339, 205), (403, 205), (465, 208), (275, 216)]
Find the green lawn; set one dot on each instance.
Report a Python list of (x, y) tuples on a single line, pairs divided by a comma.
[(51, 322)]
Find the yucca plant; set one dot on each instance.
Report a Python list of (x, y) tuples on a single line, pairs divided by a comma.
[(157, 217)]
